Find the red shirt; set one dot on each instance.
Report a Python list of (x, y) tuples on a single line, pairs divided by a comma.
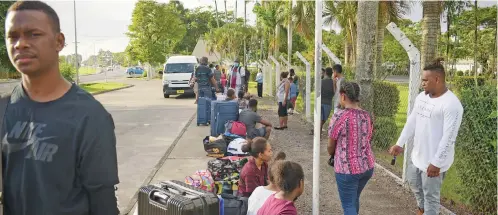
[(276, 206), (252, 177)]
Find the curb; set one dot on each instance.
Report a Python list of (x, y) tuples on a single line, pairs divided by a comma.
[(106, 91), (160, 163), (443, 210)]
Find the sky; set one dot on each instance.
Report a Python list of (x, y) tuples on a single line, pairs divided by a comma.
[(102, 24)]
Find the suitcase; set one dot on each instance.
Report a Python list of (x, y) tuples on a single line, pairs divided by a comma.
[(203, 111), (176, 198), (222, 112)]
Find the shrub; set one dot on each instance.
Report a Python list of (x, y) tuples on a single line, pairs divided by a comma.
[(67, 71), (463, 82), (476, 161), (386, 99), (459, 73), (385, 132)]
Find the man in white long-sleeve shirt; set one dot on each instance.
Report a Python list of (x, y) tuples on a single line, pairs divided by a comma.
[(434, 124)]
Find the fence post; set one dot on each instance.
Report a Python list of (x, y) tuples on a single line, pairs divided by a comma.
[(414, 84), (331, 55), (308, 86), (286, 62), (277, 72), (317, 113), (269, 88)]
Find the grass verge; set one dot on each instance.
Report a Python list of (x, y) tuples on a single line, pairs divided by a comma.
[(87, 70), (101, 87)]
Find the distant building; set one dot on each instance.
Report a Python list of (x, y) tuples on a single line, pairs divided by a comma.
[(201, 50)]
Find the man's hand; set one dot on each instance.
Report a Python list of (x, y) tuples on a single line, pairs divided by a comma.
[(284, 103), (432, 171), (395, 150)]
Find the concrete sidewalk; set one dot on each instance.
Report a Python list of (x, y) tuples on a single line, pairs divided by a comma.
[(186, 156)]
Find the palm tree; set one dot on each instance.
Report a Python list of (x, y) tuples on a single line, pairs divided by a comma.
[(367, 25), (304, 19), (431, 30), (344, 13), (389, 11)]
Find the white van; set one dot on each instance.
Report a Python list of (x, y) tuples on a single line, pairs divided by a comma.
[(176, 75)]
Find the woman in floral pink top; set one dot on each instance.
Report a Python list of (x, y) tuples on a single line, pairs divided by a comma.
[(350, 132)]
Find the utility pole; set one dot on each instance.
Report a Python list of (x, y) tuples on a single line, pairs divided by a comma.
[(226, 11), (76, 46)]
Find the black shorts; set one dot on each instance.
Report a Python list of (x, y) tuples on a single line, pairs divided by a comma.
[(282, 110)]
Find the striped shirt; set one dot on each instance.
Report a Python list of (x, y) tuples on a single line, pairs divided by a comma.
[(352, 130)]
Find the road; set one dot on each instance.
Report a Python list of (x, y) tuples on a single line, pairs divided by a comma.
[(117, 73), (146, 125)]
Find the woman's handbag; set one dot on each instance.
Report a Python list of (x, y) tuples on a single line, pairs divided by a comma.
[(331, 161)]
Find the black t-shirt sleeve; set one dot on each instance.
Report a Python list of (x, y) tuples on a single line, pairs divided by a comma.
[(98, 168)]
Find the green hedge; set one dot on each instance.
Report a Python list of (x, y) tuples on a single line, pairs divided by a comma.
[(476, 148), (386, 99), (463, 82), (385, 132), (67, 71)]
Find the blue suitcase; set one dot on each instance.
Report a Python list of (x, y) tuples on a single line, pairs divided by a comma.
[(221, 112), (203, 111)]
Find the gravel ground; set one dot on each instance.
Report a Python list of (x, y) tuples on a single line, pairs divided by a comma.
[(382, 195)]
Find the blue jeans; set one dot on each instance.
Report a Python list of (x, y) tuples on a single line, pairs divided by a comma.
[(350, 187)]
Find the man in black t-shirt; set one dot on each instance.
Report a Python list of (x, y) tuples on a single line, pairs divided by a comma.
[(59, 145)]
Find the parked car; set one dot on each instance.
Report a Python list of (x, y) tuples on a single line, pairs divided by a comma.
[(135, 71)]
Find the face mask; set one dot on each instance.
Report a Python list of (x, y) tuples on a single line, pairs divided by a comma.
[(236, 64)]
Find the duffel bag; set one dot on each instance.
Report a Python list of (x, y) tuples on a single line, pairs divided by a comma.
[(234, 205)]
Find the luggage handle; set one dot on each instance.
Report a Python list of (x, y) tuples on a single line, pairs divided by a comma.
[(158, 197), (167, 185)]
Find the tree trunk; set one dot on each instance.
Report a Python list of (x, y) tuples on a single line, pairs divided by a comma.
[(365, 61), (430, 27), (475, 41), (277, 41), (346, 52), (216, 9), (289, 35), (382, 22), (353, 34)]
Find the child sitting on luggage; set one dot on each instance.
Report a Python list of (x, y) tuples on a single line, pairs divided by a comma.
[(261, 193), (230, 95), (293, 95), (242, 100), (290, 180)]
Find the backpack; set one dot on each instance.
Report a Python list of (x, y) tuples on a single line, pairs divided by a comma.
[(216, 148), (236, 127), (235, 205)]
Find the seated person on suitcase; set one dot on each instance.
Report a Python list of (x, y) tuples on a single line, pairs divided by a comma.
[(250, 118), (255, 171), (242, 100), (290, 180), (230, 95), (261, 193)]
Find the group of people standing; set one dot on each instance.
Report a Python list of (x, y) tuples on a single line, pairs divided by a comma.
[(433, 124), (208, 79)]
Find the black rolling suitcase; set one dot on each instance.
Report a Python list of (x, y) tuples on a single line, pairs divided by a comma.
[(176, 198)]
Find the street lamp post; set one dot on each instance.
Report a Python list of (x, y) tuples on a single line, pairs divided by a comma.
[(76, 46)]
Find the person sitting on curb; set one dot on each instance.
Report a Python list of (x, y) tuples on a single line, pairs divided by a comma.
[(290, 180), (261, 193), (255, 171), (250, 118)]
